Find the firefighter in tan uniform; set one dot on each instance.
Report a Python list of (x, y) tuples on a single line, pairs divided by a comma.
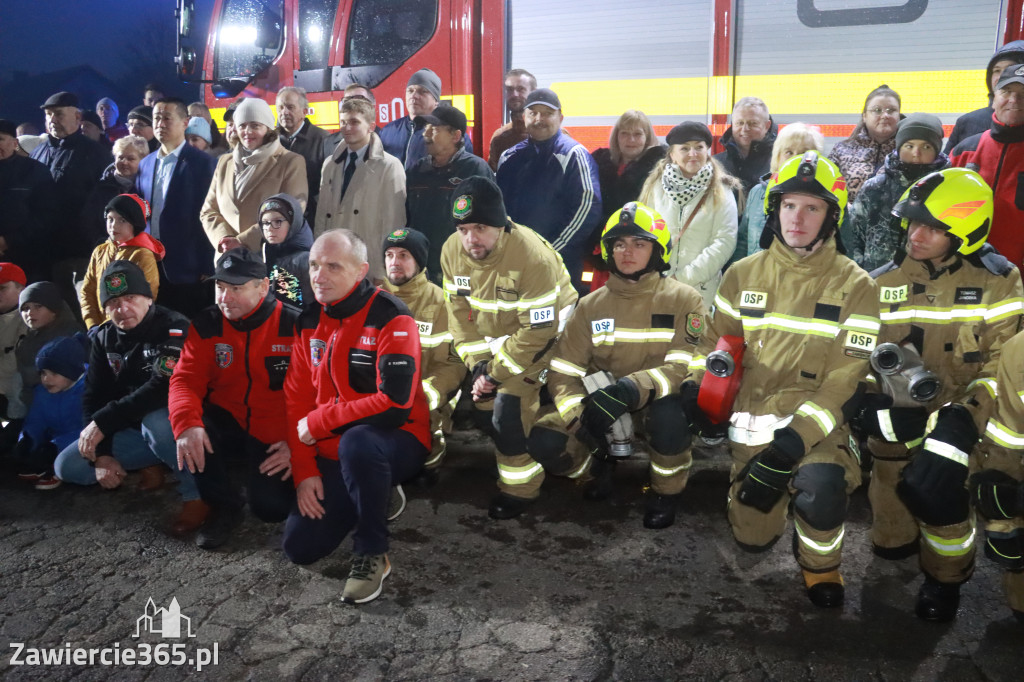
[(809, 318), (951, 299), (997, 490), (507, 293), (442, 372), (642, 328)]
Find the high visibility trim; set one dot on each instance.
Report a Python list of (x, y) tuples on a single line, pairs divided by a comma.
[(988, 383), (826, 422), (680, 356), (664, 386), (565, 405), (669, 471), (1003, 435), (631, 336), (753, 430), (725, 307), (819, 547), (946, 450), (974, 313), (504, 359), (564, 314), (870, 378), (949, 547), (862, 323), (522, 305), (701, 362), (885, 424), (467, 349), (790, 323), (565, 367), (434, 340), (581, 469), (519, 475), (433, 397)]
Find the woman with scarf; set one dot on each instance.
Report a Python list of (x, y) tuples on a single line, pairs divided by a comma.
[(870, 236), (257, 167), (696, 198)]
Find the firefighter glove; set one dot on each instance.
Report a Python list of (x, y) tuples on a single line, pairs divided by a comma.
[(997, 495), (698, 421), (933, 485), (603, 407), (877, 418)]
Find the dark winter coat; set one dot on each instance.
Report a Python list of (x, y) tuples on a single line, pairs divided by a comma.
[(873, 235), (288, 262), (748, 169), (29, 199), (309, 144), (619, 189), (978, 121)]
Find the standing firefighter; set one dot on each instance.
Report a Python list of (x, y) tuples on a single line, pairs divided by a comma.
[(642, 328), (809, 320), (949, 302), (507, 293)]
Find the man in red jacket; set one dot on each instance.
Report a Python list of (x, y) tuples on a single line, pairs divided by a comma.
[(225, 398), (997, 155), (359, 417)]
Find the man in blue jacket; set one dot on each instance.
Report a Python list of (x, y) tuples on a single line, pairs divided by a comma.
[(403, 137), (174, 180), (550, 183)]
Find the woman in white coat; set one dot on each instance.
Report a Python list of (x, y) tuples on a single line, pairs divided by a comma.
[(694, 195)]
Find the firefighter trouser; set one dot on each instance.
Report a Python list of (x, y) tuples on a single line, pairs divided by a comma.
[(514, 411), (664, 425), (440, 424), (1005, 537), (946, 552), (821, 484)]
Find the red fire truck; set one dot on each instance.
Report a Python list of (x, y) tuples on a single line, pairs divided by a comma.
[(811, 60)]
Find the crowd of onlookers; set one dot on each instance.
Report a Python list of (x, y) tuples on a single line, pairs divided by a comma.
[(111, 230)]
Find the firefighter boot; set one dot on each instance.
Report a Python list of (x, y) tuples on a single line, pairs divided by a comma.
[(600, 488), (661, 510), (937, 602), (825, 590), (504, 506)]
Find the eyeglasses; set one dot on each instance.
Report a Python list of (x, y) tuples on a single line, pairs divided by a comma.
[(878, 111), (278, 223)]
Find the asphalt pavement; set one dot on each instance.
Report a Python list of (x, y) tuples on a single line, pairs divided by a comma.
[(573, 590)]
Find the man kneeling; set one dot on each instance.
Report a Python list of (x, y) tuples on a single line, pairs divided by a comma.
[(361, 423)]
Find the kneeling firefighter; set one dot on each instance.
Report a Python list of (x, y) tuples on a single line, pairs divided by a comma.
[(948, 303), (809, 318), (641, 328)]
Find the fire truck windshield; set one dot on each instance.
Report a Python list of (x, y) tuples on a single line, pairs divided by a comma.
[(250, 37)]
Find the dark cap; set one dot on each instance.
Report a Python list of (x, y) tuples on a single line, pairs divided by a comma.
[(229, 113), (61, 99), (65, 355), (1011, 74), (413, 241), (238, 266), (445, 114), (122, 278), (920, 126), (142, 112), (689, 131), (544, 96), (276, 203), (8, 127), (92, 117), (427, 79), (478, 200), (132, 208)]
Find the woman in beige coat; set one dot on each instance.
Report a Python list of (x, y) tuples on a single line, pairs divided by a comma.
[(257, 168)]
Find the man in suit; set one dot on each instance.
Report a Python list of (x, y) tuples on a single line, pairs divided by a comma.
[(362, 187), (174, 180), (298, 135)]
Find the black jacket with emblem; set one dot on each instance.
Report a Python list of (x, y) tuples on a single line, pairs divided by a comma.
[(958, 316), (238, 365), (428, 199), (130, 371)]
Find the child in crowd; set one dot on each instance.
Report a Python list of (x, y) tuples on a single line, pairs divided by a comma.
[(12, 328), (47, 317), (287, 238), (55, 419), (127, 240)]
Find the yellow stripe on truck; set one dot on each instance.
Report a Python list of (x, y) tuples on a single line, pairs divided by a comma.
[(797, 94)]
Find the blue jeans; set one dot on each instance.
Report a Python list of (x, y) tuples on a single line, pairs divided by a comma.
[(134, 449), (356, 492)]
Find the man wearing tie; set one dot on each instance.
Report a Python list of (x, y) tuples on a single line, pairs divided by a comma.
[(362, 187)]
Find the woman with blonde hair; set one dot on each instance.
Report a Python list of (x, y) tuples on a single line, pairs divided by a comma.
[(793, 140), (696, 198)]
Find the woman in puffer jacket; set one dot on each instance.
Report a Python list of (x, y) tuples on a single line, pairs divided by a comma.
[(871, 237), (696, 198)]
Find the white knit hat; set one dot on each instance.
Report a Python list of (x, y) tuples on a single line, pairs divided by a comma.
[(255, 110)]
